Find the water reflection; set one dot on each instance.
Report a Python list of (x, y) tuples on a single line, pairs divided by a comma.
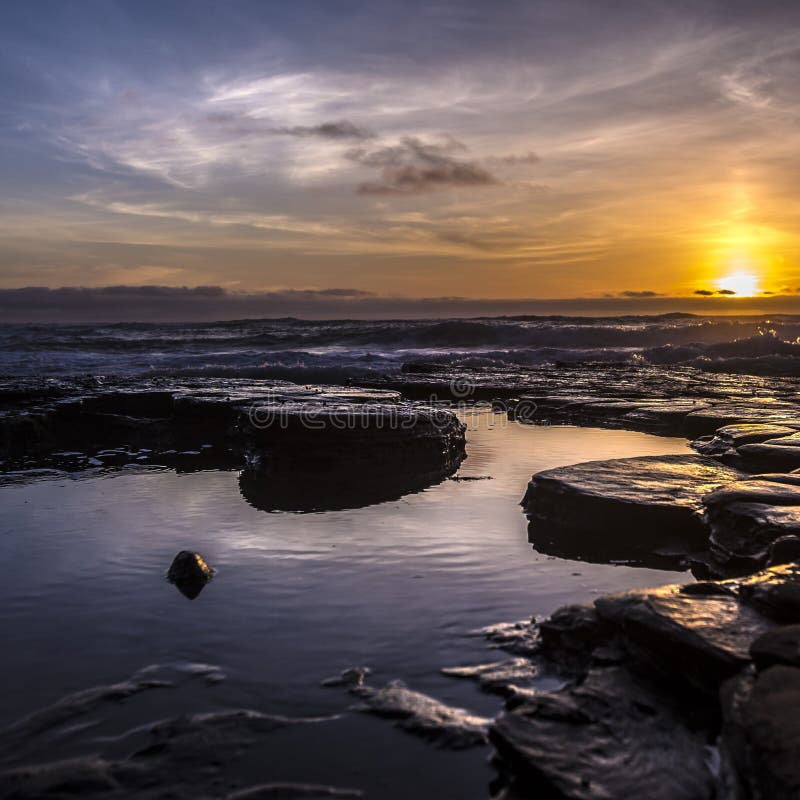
[(592, 548), (397, 586), (336, 486)]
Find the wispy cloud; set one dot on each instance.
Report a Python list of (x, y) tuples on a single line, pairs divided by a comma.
[(559, 147)]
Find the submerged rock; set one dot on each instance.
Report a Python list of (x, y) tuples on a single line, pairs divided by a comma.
[(354, 676), (499, 677), (191, 755), (288, 791), (646, 509), (424, 716)]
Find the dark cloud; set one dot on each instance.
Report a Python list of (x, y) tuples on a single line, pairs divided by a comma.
[(109, 304), (712, 292), (639, 293), (517, 159), (414, 167), (343, 129), (243, 125)]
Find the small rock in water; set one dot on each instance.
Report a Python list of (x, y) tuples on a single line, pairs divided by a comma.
[(354, 676), (499, 677), (424, 716), (189, 572)]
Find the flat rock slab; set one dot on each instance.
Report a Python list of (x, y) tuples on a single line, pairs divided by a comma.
[(761, 411), (623, 508), (638, 725), (700, 639), (746, 517), (610, 737), (732, 436), (299, 448)]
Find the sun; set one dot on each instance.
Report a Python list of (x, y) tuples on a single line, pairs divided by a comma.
[(743, 284)]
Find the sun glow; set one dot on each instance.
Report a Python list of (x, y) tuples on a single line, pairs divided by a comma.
[(743, 284)]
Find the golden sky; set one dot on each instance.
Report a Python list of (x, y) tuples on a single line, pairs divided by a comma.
[(438, 149)]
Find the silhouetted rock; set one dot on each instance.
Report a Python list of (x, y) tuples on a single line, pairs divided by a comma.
[(189, 573)]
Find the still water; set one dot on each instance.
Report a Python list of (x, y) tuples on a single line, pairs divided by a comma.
[(398, 586)]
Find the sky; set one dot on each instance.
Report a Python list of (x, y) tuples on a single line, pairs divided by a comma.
[(376, 155)]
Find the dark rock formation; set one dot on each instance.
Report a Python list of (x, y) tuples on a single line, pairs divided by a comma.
[(612, 735), (644, 509), (732, 436), (656, 677), (352, 446), (189, 573), (694, 641), (746, 519), (761, 734), (381, 455)]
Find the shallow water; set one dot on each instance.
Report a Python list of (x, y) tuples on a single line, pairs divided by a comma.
[(399, 586)]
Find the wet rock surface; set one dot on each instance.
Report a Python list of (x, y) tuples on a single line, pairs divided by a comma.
[(612, 735), (750, 521), (417, 713), (664, 675), (644, 509), (354, 446), (189, 572), (192, 755), (761, 734)]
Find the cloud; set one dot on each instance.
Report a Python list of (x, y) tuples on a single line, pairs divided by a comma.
[(517, 159), (639, 293), (343, 129), (122, 303), (413, 166), (712, 292)]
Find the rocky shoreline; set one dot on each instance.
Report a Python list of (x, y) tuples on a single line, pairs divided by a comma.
[(675, 692), (680, 691), (298, 448)]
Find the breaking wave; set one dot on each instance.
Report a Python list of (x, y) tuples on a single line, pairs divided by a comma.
[(334, 351)]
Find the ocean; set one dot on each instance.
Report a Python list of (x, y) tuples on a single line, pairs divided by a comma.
[(341, 350)]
